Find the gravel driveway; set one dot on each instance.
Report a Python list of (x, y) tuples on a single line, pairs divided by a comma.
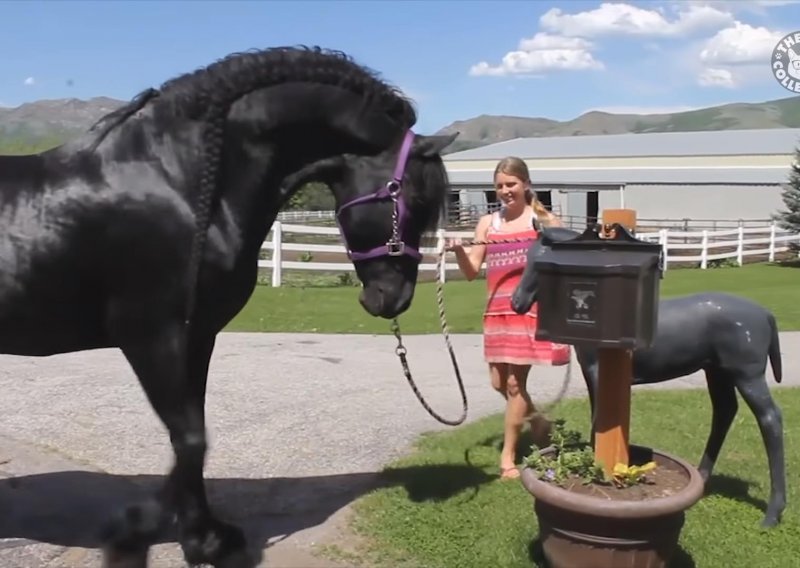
[(299, 423)]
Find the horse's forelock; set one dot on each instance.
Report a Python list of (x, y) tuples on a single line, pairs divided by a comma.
[(431, 191)]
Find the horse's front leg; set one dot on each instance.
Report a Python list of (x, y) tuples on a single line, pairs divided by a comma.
[(173, 373), (590, 370), (204, 538)]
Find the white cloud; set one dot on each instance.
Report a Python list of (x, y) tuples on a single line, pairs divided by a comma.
[(543, 52), (718, 45), (759, 8), (734, 55), (29, 81), (740, 43), (624, 19), (773, 3), (544, 41), (714, 77)]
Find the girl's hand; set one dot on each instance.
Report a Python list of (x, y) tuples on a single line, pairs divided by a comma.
[(453, 244)]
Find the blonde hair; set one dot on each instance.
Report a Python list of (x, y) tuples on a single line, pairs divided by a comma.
[(517, 167)]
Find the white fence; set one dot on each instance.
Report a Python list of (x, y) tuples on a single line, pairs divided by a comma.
[(767, 240), (571, 221), (297, 215)]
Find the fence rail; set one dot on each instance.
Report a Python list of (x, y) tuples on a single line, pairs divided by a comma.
[(454, 222), (697, 248)]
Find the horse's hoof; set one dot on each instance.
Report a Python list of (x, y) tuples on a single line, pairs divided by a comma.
[(770, 521), (124, 559), (218, 544), (127, 537), (238, 559)]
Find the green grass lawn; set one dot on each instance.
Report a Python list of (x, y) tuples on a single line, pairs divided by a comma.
[(444, 505), (336, 309)]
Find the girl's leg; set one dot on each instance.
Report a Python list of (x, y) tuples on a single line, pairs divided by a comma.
[(517, 409), (511, 382), (499, 373), (541, 427)]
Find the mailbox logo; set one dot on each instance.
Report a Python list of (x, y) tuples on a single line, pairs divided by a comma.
[(582, 302)]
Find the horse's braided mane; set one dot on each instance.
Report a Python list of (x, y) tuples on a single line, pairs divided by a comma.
[(110, 121), (234, 75), (222, 82)]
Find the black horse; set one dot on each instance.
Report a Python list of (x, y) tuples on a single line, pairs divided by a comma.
[(144, 234), (728, 337)]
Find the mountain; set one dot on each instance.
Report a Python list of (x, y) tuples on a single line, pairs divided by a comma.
[(488, 129), (41, 124)]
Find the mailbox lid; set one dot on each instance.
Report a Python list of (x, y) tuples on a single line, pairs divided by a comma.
[(599, 262)]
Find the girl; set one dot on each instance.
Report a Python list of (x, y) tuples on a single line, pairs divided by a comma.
[(510, 347)]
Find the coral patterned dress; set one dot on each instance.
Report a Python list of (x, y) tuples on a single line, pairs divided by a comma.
[(509, 337)]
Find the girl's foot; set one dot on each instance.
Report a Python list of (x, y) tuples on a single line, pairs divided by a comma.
[(509, 472)]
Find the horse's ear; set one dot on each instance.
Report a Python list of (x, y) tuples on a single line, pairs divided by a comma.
[(546, 235), (430, 146)]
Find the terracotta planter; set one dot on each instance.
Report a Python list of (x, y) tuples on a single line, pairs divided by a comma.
[(578, 530)]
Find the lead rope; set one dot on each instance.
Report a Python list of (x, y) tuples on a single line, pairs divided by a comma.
[(401, 350)]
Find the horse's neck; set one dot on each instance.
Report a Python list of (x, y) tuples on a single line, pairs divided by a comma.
[(285, 129), (268, 135)]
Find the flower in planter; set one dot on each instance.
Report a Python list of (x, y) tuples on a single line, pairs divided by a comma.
[(625, 476), (573, 457)]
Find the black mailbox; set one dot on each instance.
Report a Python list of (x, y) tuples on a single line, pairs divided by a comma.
[(599, 291)]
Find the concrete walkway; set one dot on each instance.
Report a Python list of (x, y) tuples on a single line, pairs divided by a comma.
[(299, 425)]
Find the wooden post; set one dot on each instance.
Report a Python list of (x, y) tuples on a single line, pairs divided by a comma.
[(613, 412), (625, 217)]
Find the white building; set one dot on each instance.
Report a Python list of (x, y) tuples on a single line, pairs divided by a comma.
[(723, 174)]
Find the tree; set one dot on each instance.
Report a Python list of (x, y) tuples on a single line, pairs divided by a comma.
[(312, 196), (789, 218)]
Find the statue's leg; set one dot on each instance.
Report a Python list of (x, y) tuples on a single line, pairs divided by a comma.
[(724, 406), (755, 392), (590, 370)]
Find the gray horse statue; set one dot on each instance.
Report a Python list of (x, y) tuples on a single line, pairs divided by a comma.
[(728, 337)]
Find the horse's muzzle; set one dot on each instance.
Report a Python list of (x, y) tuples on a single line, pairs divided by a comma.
[(385, 302)]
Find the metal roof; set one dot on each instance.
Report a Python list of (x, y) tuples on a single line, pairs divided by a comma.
[(735, 175), (703, 143)]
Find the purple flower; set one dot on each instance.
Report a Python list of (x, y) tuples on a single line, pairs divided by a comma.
[(550, 474)]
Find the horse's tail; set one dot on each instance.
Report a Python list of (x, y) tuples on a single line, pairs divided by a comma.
[(775, 350)]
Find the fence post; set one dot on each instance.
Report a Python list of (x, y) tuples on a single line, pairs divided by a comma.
[(704, 250), (740, 245), (276, 254), (772, 241), (663, 240), (439, 247)]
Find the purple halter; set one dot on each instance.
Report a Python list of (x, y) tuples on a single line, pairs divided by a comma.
[(395, 245)]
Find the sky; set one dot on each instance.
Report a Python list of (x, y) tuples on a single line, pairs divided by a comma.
[(456, 58)]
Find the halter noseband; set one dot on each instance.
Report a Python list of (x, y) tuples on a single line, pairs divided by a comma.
[(395, 246)]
